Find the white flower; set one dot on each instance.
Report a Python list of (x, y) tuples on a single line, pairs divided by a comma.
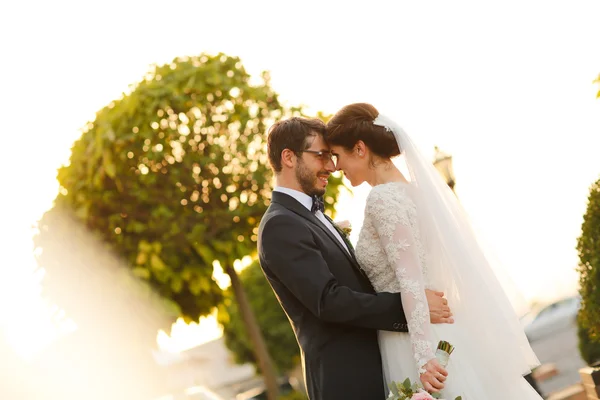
[(343, 225)]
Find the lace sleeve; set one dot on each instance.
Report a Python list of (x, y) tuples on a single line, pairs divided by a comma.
[(392, 217)]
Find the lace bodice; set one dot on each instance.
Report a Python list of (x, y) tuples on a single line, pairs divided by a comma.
[(391, 253)]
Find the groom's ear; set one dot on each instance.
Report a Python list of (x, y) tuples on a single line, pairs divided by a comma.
[(288, 158)]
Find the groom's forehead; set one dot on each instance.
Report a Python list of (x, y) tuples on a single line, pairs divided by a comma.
[(317, 142)]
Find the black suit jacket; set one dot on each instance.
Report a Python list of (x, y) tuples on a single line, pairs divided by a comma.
[(329, 301)]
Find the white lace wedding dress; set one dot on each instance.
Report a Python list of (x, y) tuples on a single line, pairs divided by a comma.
[(391, 253)]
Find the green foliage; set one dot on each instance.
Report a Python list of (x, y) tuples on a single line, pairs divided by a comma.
[(294, 396), (597, 80), (588, 247), (274, 325), (406, 389), (174, 174), (589, 349)]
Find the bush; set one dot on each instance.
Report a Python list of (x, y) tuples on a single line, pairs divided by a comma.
[(294, 396), (588, 247), (589, 348)]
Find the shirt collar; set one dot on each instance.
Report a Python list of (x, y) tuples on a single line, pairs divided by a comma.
[(302, 197)]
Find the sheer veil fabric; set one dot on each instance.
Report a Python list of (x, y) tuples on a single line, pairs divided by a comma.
[(490, 335)]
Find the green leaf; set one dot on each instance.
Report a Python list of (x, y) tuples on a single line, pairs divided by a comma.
[(145, 246), (223, 247), (137, 227), (141, 273), (195, 286), (98, 144), (204, 285), (109, 166), (205, 252), (407, 384), (197, 232), (394, 388), (176, 284), (141, 258), (156, 263), (82, 212), (175, 229)]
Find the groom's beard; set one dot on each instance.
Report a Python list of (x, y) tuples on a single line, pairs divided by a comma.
[(308, 180)]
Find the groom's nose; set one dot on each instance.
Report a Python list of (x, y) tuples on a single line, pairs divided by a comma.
[(330, 166)]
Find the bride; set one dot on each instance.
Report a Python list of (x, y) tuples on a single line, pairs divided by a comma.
[(415, 236)]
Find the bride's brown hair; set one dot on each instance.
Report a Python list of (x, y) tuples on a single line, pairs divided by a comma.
[(354, 122)]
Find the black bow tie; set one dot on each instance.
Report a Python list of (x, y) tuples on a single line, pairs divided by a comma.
[(317, 204)]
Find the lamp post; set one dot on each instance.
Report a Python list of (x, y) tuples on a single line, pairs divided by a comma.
[(443, 163)]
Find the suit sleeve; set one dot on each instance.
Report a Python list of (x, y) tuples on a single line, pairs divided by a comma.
[(290, 255)]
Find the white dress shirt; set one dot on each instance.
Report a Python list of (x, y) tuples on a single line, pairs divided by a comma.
[(306, 201)]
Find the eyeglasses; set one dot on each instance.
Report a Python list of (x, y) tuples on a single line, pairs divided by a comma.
[(324, 156)]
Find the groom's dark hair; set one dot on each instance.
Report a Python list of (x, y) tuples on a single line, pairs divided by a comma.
[(293, 134)]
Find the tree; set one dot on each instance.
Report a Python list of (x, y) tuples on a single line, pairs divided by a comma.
[(589, 277), (173, 175), (274, 325)]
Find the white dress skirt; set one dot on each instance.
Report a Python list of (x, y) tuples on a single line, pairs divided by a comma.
[(463, 380)]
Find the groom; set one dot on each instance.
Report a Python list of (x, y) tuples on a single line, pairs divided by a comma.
[(311, 267)]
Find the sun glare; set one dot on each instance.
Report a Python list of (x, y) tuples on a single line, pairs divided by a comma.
[(184, 336)]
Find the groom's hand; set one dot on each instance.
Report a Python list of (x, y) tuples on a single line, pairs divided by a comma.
[(439, 312)]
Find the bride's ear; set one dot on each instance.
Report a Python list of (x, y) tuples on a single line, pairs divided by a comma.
[(360, 148)]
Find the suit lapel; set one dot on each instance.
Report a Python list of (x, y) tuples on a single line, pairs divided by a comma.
[(293, 205), (342, 235)]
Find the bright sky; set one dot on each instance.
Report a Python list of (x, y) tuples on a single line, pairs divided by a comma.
[(505, 86)]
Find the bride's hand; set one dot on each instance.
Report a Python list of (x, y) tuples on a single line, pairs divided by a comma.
[(434, 376), (439, 312)]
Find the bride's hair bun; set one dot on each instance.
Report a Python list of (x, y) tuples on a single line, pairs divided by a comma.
[(354, 122)]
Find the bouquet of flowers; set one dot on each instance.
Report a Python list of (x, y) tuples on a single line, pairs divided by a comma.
[(408, 390)]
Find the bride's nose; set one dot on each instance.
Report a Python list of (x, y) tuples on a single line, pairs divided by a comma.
[(330, 166)]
